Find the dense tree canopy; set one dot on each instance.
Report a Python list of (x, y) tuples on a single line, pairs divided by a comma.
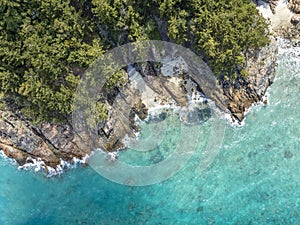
[(46, 45)]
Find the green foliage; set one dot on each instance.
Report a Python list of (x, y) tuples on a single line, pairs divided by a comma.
[(178, 27), (41, 43), (45, 46), (118, 79), (123, 21), (221, 30)]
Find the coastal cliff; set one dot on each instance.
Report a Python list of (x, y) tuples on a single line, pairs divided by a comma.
[(54, 143), (242, 93)]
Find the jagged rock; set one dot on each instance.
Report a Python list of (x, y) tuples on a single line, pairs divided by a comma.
[(121, 121), (295, 19), (19, 139), (176, 92), (272, 3), (261, 68), (290, 32), (129, 103), (140, 110), (294, 6)]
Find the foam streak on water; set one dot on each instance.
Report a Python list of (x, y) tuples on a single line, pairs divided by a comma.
[(255, 178)]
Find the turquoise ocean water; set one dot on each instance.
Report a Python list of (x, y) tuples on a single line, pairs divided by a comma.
[(255, 178)]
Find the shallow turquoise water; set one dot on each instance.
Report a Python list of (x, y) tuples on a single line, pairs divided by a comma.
[(255, 179)]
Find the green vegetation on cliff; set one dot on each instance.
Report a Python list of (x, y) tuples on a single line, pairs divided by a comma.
[(45, 46)]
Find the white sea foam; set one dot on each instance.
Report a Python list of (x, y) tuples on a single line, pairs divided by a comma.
[(38, 165), (2, 155), (258, 104), (194, 101), (286, 48), (231, 122), (281, 17), (157, 109)]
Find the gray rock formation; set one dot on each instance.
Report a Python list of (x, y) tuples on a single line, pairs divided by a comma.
[(22, 141), (241, 94), (295, 19)]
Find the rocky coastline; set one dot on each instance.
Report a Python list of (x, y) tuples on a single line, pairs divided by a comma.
[(53, 144)]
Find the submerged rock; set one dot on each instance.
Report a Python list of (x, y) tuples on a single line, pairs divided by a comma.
[(197, 116), (288, 154), (161, 116)]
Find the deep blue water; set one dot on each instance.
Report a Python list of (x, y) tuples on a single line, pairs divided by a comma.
[(254, 179)]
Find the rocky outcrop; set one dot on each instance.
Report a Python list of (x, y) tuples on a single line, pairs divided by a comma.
[(244, 91), (164, 87), (131, 103), (272, 3), (294, 6), (121, 120), (22, 141), (291, 32)]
